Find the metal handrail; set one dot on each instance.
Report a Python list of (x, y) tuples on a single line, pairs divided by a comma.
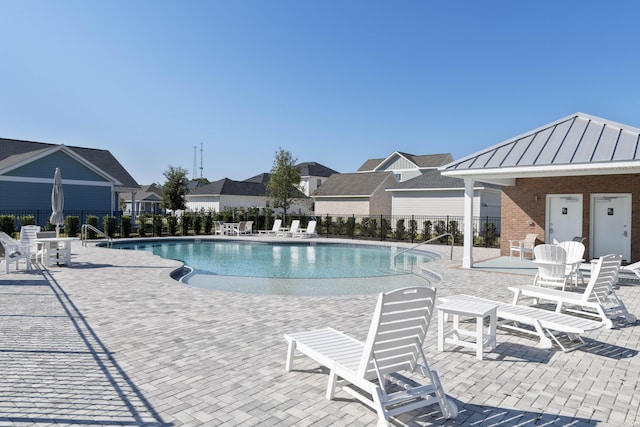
[(424, 243), (84, 231)]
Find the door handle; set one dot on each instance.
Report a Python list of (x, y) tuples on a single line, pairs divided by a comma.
[(625, 233)]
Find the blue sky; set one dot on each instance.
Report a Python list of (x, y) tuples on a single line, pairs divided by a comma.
[(337, 82)]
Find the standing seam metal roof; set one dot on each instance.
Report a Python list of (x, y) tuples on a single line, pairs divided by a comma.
[(574, 140)]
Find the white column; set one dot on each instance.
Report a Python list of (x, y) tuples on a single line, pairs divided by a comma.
[(467, 255)]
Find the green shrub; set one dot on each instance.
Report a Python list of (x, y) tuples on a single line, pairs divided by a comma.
[(27, 220), (92, 220), (172, 222), (351, 226), (400, 232), (208, 223), (413, 229), (109, 223), (158, 225), (185, 224), (197, 224), (72, 225), (385, 228), (426, 230), (7, 224), (125, 226)]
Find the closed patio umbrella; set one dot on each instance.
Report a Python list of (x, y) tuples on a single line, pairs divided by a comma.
[(57, 202)]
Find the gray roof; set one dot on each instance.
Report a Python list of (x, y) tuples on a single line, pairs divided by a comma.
[(262, 178), (577, 144), (433, 179), (228, 186), (16, 151), (423, 161), (353, 184), (314, 169)]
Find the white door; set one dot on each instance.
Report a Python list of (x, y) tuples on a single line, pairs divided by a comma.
[(610, 225), (564, 217)]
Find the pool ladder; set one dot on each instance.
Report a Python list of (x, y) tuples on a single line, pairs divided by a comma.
[(424, 243), (84, 234)]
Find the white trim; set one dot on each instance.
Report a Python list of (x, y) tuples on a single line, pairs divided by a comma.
[(50, 181), (40, 154)]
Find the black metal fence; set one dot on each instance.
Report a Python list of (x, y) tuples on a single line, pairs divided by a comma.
[(412, 228)]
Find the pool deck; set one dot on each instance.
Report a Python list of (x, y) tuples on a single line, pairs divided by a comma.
[(114, 341)]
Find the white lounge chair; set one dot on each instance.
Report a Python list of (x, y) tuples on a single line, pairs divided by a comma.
[(12, 251), (598, 299), (523, 247), (274, 230), (553, 269), (546, 325), (293, 230), (394, 345), (310, 231), (28, 238)]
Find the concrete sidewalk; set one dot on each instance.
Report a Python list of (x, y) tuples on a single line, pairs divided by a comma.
[(113, 341)]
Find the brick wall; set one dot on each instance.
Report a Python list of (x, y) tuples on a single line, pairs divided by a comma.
[(523, 205)]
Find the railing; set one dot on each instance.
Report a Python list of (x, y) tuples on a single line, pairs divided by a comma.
[(84, 233), (424, 243)]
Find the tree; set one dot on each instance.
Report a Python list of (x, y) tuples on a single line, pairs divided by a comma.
[(282, 187), (174, 189)]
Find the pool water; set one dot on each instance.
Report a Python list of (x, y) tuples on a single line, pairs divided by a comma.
[(295, 263)]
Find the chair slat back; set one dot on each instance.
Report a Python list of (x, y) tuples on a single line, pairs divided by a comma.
[(276, 225), (311, 227), (574, 250), (604, 276), (397, 331), (551, 261)]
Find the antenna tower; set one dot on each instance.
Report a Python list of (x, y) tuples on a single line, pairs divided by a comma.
[(201, 160)]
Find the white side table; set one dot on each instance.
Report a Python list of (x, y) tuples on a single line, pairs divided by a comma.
[(465, 308)]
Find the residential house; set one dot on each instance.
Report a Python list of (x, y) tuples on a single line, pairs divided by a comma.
[(405, 166), (227, 194), (431, 194), (148, 200), (312, 175), (577, 176), (93, 180), (355, 194)]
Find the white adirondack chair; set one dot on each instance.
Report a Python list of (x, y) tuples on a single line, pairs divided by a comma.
[(523, 247), (553, 269), (394, 345), (13, 251)]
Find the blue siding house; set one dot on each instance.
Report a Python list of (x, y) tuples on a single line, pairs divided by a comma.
[(93, 180)]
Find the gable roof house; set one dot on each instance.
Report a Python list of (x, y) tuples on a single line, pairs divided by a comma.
[(355, 194), (92, 179), (405, 166), (312, 176), (577, 176)]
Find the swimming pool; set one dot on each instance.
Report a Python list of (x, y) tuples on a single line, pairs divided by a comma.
[(302, 268)]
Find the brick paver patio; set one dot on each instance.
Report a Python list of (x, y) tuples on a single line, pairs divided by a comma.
[(114, 341)]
